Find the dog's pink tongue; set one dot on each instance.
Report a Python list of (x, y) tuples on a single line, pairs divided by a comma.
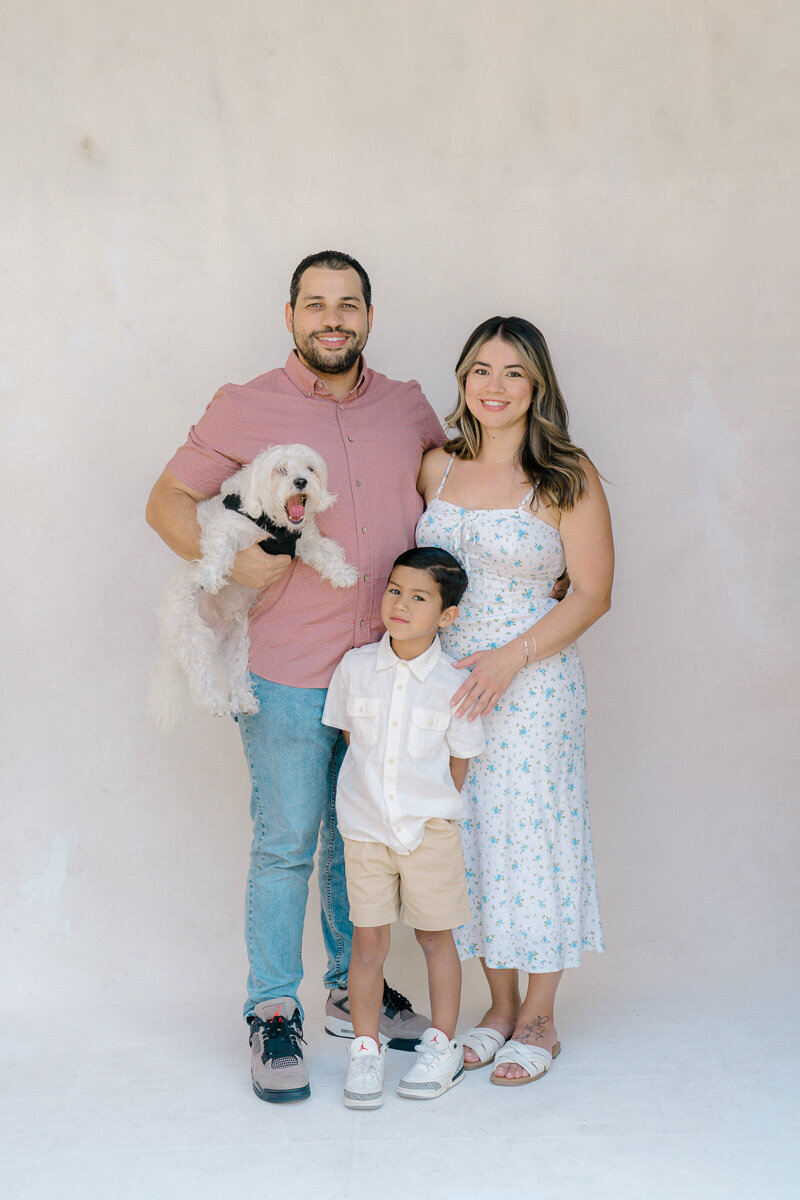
[(297, 511)]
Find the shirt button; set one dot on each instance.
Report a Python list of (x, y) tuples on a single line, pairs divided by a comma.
[(390, 760), (358, 483), (341, 406), (349, 438), (366, 577), (363, 529), (393, 722), (363, 623)]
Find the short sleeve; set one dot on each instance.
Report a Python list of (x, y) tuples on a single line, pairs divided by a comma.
[(209, 455), (335, 711), (465, 739), (428, 425)]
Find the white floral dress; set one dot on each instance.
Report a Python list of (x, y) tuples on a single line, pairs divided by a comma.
[(527, 839)]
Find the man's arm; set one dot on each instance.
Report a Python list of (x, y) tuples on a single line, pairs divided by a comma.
[(172, 512)]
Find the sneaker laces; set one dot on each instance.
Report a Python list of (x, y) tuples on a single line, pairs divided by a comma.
[(365, 1068), (281, 1036), (429, 1056), (395, 1000)]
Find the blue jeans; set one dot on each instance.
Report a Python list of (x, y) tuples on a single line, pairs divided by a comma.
[(294, 760)]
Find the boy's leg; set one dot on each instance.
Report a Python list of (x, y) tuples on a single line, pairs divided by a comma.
[(440, 1058), (444, 977), (365, 984), (434, 896)]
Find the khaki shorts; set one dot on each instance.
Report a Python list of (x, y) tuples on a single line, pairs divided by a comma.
[(429, 883)]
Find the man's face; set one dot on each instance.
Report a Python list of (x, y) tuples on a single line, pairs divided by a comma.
[(330, 322)]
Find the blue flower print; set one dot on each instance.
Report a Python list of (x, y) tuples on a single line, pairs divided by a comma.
[(526, 837)]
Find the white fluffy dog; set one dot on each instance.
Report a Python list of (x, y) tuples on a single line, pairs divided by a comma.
[(203, 616)]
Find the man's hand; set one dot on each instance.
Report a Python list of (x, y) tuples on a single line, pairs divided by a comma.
[(560, 587), (255, 569)]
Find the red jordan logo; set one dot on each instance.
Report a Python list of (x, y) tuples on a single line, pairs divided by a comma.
[(435, 1038), (362, 1046)]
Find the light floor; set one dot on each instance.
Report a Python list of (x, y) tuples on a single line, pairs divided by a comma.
[(144, 1106)]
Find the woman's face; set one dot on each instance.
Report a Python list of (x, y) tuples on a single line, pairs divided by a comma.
[(498, 391)]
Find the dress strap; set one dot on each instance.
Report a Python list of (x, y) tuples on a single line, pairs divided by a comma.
[(526, 499), (447, 472)]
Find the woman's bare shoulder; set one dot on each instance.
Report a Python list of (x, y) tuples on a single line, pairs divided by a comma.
[(434, 465)]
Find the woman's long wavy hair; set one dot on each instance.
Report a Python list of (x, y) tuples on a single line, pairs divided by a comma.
[(547, 455)]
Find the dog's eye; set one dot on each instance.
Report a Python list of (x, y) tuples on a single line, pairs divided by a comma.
[(311, 470), (280, 470)]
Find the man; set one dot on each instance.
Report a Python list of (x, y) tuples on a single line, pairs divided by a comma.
[(372, 433)]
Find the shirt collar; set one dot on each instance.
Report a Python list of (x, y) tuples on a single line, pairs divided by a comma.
[(421, 666), (311, 385)]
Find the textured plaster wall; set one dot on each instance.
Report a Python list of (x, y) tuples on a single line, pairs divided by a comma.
[(621, 173)]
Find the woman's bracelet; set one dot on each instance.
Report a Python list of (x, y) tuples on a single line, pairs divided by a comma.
[(524, 638)]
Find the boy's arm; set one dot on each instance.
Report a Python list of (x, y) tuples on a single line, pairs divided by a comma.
[(335, 710), (458, 770), (346, 736)]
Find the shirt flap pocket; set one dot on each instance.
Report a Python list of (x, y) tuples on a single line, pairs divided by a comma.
[(363, 706), (427, 718)]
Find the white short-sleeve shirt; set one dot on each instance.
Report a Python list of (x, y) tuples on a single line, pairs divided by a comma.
[(403, 732)]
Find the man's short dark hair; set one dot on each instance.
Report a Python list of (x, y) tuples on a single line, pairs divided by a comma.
[(446, 572), (329, 260)]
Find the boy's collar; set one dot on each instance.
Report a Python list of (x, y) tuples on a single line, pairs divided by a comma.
[(421, 666)]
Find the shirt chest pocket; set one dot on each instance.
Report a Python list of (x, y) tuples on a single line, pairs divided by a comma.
[(427, 731), (364, 713)]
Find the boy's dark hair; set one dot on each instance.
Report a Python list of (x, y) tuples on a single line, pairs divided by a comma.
[(446, 572), (329, 260)]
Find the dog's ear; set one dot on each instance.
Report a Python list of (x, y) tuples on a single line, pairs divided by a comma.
[(316, 464), (255, 486), (326, 500)]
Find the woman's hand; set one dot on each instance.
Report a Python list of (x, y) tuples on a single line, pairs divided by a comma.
[(492, 672)]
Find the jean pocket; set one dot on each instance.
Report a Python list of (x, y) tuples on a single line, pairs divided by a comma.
[(427, 732), (364, 713)]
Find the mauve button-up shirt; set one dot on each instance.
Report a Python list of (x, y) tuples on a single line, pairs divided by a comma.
[(372, 442)]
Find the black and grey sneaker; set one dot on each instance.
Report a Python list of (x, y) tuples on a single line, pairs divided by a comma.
[(276, 1060), (399, 1024)]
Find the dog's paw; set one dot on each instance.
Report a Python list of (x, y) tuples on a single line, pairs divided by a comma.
[(345, 577), (208, 580), (244, 704)]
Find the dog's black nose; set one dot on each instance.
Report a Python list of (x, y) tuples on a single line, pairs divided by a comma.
[(300, 483)]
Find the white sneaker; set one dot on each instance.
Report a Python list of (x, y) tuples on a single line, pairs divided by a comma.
[(439, 1066), (363, 1087)]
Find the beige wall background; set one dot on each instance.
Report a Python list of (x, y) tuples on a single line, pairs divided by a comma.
[(622, 173)]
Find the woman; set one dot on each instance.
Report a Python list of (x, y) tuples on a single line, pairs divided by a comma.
[(516, 502)]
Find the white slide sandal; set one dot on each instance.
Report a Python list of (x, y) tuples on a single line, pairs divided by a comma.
[(533, 1059), (484, 1042)]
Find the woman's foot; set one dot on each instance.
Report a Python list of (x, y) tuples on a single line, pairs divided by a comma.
[(495, 1018), (532, 1031)]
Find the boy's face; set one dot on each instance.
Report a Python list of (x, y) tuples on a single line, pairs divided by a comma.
[(411, 608)]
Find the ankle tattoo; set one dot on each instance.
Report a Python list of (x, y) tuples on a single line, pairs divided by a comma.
[(534, 1030)]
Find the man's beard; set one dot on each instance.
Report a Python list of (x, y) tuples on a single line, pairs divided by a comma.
[(327, 363)]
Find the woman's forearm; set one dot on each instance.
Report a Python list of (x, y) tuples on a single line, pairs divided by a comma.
[(564, 623)]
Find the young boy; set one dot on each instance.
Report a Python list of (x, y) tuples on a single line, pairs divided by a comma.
[(397, 804)]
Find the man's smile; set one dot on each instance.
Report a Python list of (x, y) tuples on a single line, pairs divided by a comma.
[(333, 341)]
